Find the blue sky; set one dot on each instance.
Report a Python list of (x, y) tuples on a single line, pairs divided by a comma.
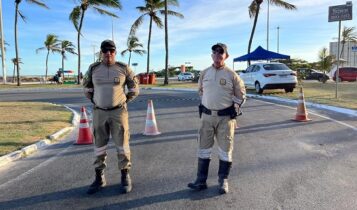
[(302, 32)]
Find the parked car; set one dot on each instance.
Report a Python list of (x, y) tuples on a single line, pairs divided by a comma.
[(346, 74), (185, 76), (273, 75), (312, 74)]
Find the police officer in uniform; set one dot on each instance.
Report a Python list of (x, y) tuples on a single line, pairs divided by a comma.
[(222, 92), (104, 84)]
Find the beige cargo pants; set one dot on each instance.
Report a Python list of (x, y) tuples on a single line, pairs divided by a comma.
[(114, 122), (220, 128)]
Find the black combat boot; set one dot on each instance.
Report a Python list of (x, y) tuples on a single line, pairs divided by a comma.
[(98, 183), (223, 172), (125, 181), (202, 173)]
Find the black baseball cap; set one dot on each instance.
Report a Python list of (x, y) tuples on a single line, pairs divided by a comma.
[(107, 45), (221, 46)]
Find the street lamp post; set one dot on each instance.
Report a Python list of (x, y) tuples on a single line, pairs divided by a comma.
[(268, 26), (278, 39), (2, 47)]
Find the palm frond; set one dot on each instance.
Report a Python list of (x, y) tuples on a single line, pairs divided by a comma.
[(21, 16), (105, 12), (140, 52), (157, 21), (283, 4), (136, 24), (39, 3), (107, 3), (172, 13), (75, 16), (40, 49), (252, 9), (124, 52)]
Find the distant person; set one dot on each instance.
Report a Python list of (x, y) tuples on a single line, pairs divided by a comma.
[(104, 84), (221, 91)]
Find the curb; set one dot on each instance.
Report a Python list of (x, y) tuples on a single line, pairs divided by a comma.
[(350, 112), (28, 150)]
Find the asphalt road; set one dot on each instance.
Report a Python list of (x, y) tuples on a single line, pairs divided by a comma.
[(278, 163)]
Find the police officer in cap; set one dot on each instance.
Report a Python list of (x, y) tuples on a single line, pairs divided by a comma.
[(104, 84), (222, 92)]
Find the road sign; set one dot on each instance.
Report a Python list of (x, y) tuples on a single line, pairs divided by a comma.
[(340, 12), (354, 48)]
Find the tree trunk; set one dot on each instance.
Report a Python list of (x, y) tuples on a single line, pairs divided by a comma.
[(129, 58), (48, 52), (13, 74), (166, 81), (149, 39), (253, 30), (16, 46), (79, 47), (62, 61)]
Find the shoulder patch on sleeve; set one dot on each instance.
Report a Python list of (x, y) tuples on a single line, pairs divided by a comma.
[(121, 64)]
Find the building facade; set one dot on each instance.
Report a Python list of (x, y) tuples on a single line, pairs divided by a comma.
[(349, 54)]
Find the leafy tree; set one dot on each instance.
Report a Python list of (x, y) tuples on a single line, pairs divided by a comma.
[(133, 45), (254, 10), (151, 9), (325, 60), (66, 46), (17, 13), (14, 61), (77, 16), (50, 43), (348, 35)]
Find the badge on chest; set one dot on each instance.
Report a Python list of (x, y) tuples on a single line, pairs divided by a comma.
[(222, 81), (116, 80)]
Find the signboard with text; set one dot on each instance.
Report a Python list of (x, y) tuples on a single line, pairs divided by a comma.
[(340, 12), (354, 48)]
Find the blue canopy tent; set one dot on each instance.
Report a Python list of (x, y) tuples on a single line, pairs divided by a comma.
[(261, 54)]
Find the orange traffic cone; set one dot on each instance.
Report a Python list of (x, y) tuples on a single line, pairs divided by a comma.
[(85, 135), (301, 113), (150, 125)]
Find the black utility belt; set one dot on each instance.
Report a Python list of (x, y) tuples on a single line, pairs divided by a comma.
[(223, 112), (109, 109)]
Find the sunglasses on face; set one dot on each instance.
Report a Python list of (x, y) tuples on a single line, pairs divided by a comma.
[(218, 51), (108, 50)]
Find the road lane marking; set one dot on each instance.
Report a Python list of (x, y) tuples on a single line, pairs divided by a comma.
[(313, 113), (32, 170)]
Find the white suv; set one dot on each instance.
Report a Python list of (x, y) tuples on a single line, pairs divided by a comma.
[(185, 76), (263, 76)]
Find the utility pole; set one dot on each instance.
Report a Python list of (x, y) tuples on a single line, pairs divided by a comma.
[(112, 29), (2, 47), (278, 39), (268, 26)]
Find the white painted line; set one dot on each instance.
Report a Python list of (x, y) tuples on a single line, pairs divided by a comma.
[(32, 170), (328, 118)]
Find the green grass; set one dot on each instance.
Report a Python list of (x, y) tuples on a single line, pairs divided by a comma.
[(14, 86), (24, 123)]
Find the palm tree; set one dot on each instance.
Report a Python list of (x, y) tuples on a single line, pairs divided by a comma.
[(325, 60), (14, 61), (50, 45), (254, 9), (152, 8), (348, 35), (66, 46), (17, 12), (133, 44), (77, 16)]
